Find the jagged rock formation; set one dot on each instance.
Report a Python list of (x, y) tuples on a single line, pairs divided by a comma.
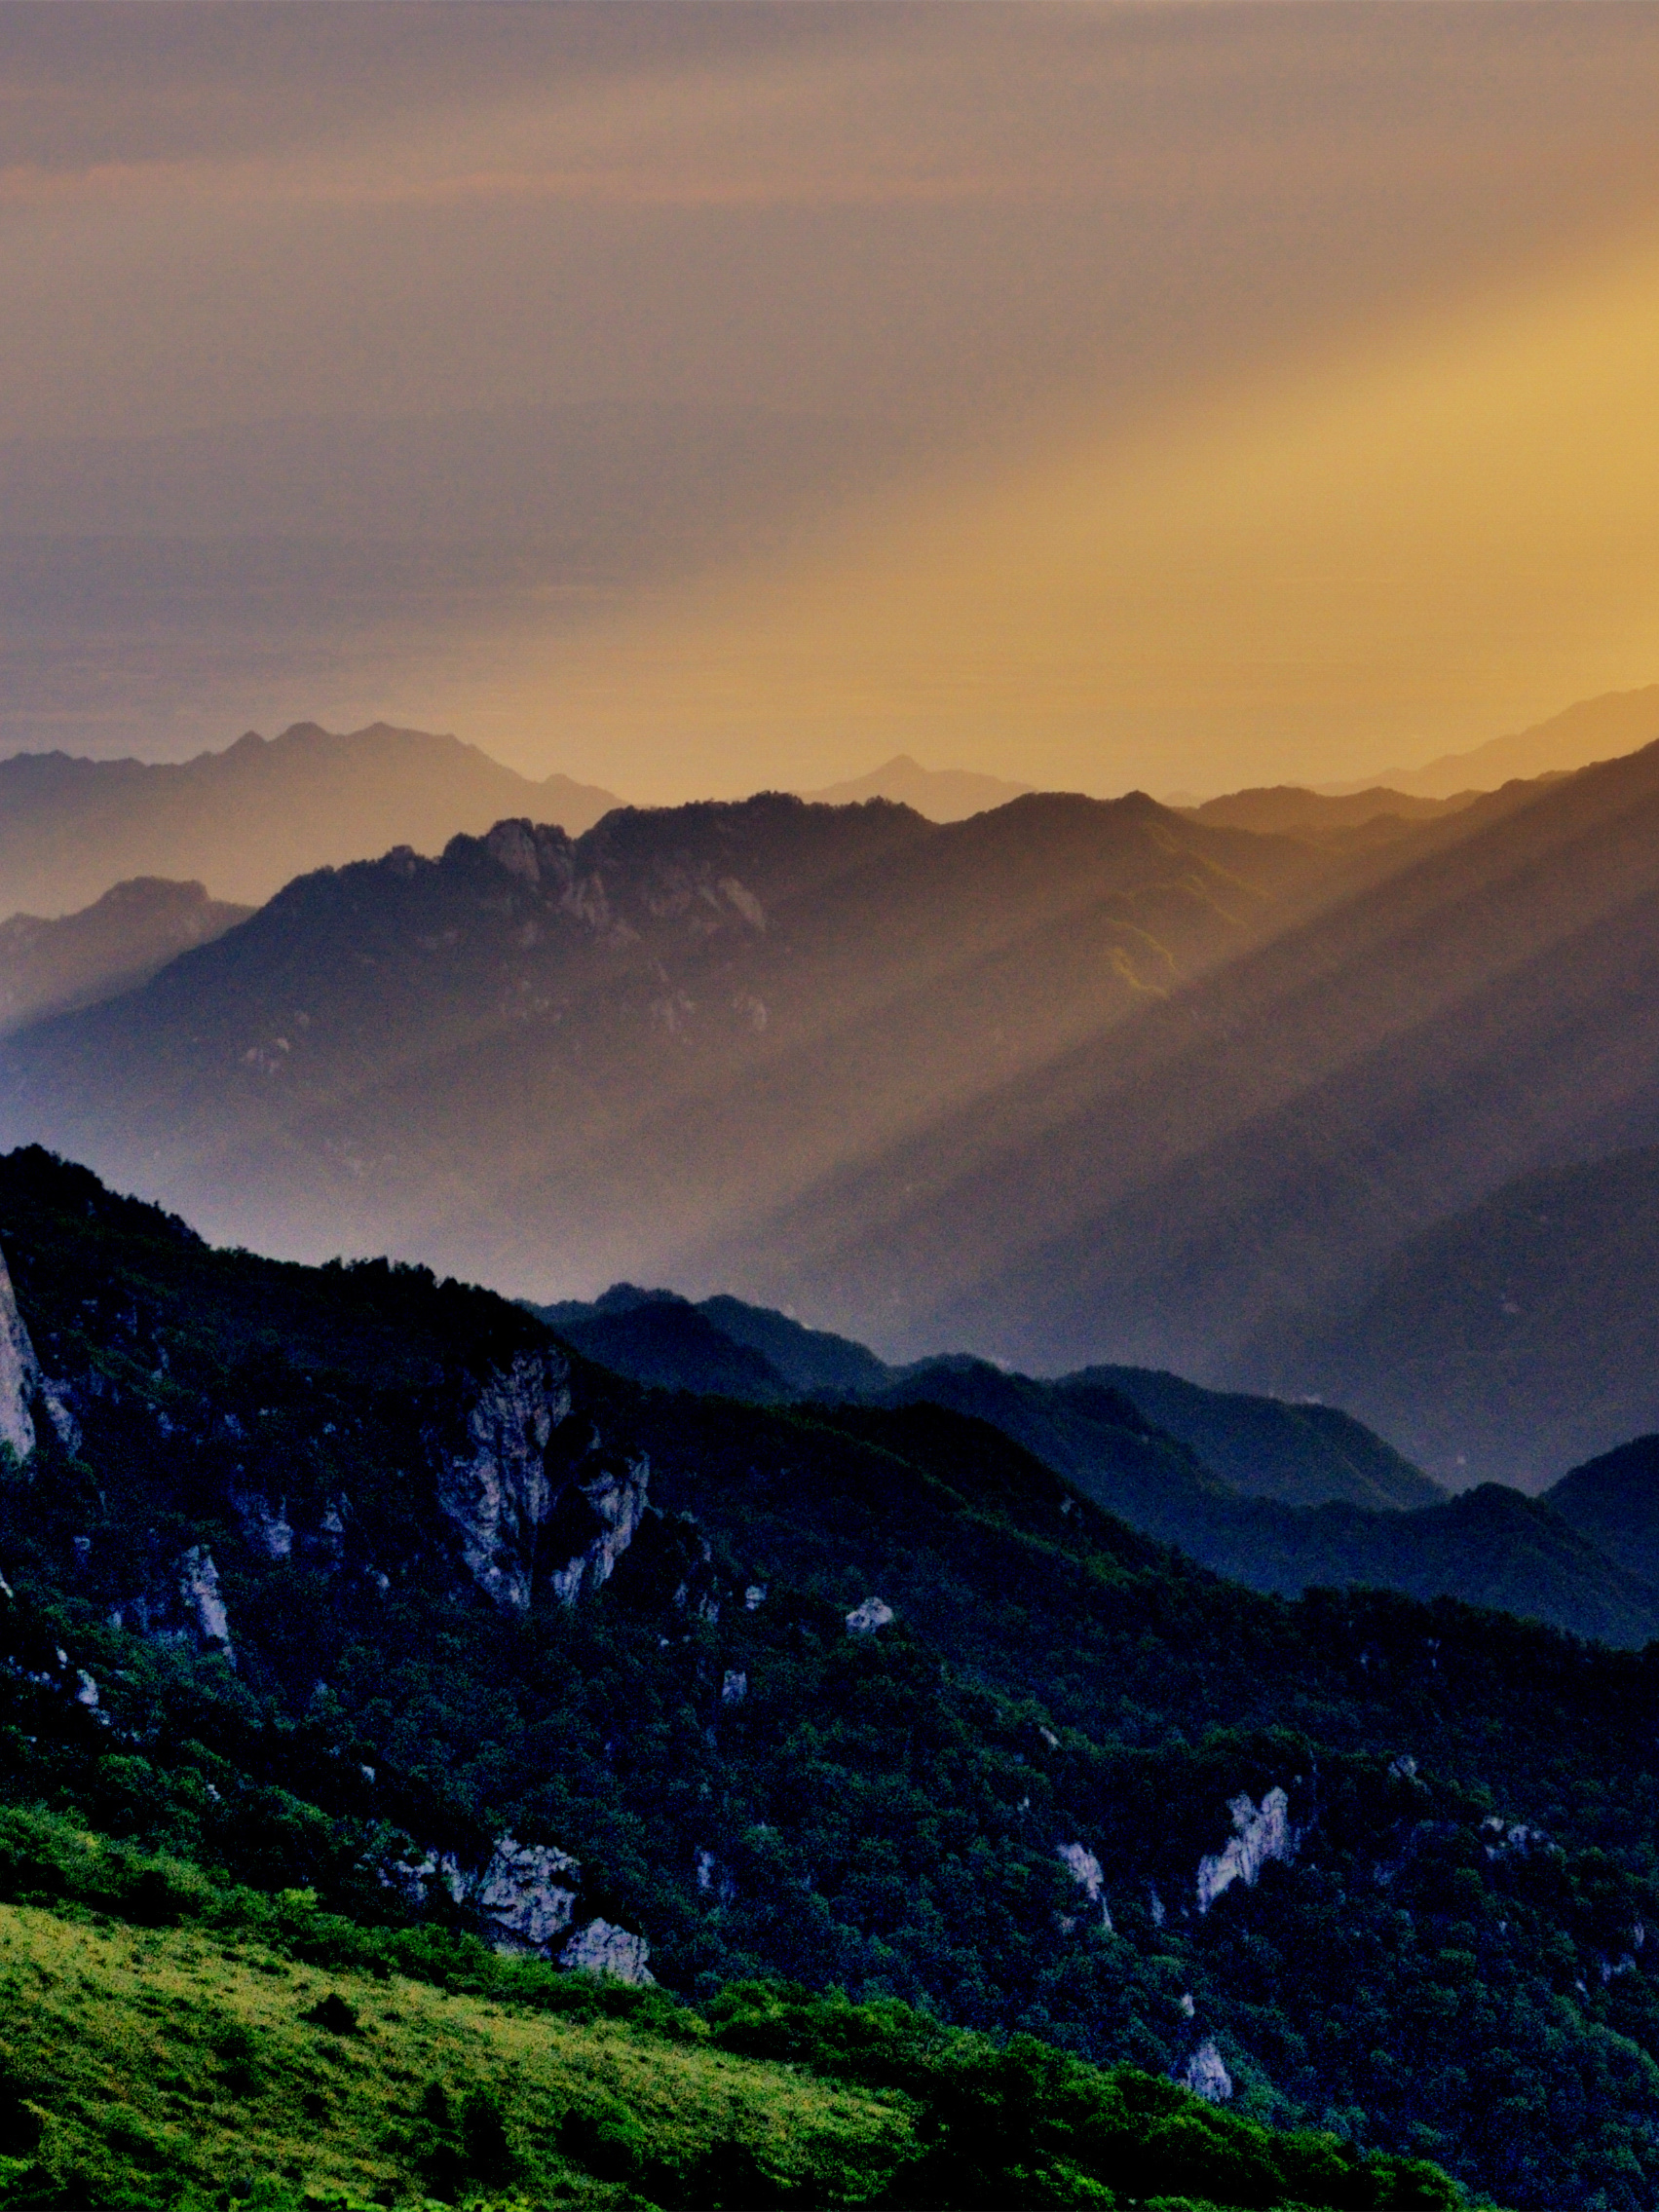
[(199, 1589), (600, 1948), (526, 1895), (1084, 1868), (1260, 1835), (614, 1504), (1205, 2074), (497, 1491), (873, 1614), (19, 1372), (511, 1510)]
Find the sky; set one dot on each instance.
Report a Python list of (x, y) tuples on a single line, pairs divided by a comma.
[(698, 397)]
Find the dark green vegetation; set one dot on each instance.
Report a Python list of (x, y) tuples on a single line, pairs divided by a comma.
[(168, 2036), (1279, 1496), (1450, 1963)]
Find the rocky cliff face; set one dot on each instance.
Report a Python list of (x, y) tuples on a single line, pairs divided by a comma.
[(1260, 1833), (496, 1489), (19, 1372), (514, 1512)]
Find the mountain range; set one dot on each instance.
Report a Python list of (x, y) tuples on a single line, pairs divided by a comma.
[(1070, 1082), (942, 794), (1282, 1497), (352, 1620), (646, 1034), (245, 820), (1591, 730)]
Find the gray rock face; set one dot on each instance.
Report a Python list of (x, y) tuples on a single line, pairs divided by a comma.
[(616, 1502), (266, 1526), (496, 1490), (19, 1373), (873, 1614), (199, 1589), (1259, 1836), (1205, 2074), (527, 1895), (600, 1948), (1084, 1868)]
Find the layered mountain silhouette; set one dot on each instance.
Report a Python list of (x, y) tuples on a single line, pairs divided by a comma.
[(245, 820), (1590, 729), (541, 1058), (1070, 1082), (119, 941), (1517, 1336), (1290, 809), (1197, 1191), (1281, 1497)]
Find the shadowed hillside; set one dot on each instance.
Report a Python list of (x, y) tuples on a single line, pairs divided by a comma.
[(1509, 1340), (554, 1062), (121, 941), (1270, 1135)]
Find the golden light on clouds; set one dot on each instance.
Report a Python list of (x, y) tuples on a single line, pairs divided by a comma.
[(1395, 546), (689, 399)]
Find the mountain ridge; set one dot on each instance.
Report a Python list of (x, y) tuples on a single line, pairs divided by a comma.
[(246, 819)]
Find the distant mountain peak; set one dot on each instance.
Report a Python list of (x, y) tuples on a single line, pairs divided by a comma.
[(942, 794)]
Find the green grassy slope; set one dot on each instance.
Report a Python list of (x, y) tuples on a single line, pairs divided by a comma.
[(197, 2046)]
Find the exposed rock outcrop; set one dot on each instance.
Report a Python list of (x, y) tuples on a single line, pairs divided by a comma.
[(1205, 2074), (19, 1372), (601, 1948), (864, 1620), (22, 1386), (527, 1895), (199, 1589), (1260, 1834), (496, 1489), (1084, 1868), (266, 1526), (615, 1500)]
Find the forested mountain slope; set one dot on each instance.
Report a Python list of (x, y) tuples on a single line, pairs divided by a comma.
[(1281, 1497), (320, 1575)]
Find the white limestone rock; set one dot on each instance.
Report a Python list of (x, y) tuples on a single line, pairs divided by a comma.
[(527, 1895), (413, 1879), (19, 1373), (199, 1590), (1205, 2074), (266, 1527), (600, 1948), (616, 1502), (864, 1620), (1259, 1834), (496, 1488), (1084, 1868)]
